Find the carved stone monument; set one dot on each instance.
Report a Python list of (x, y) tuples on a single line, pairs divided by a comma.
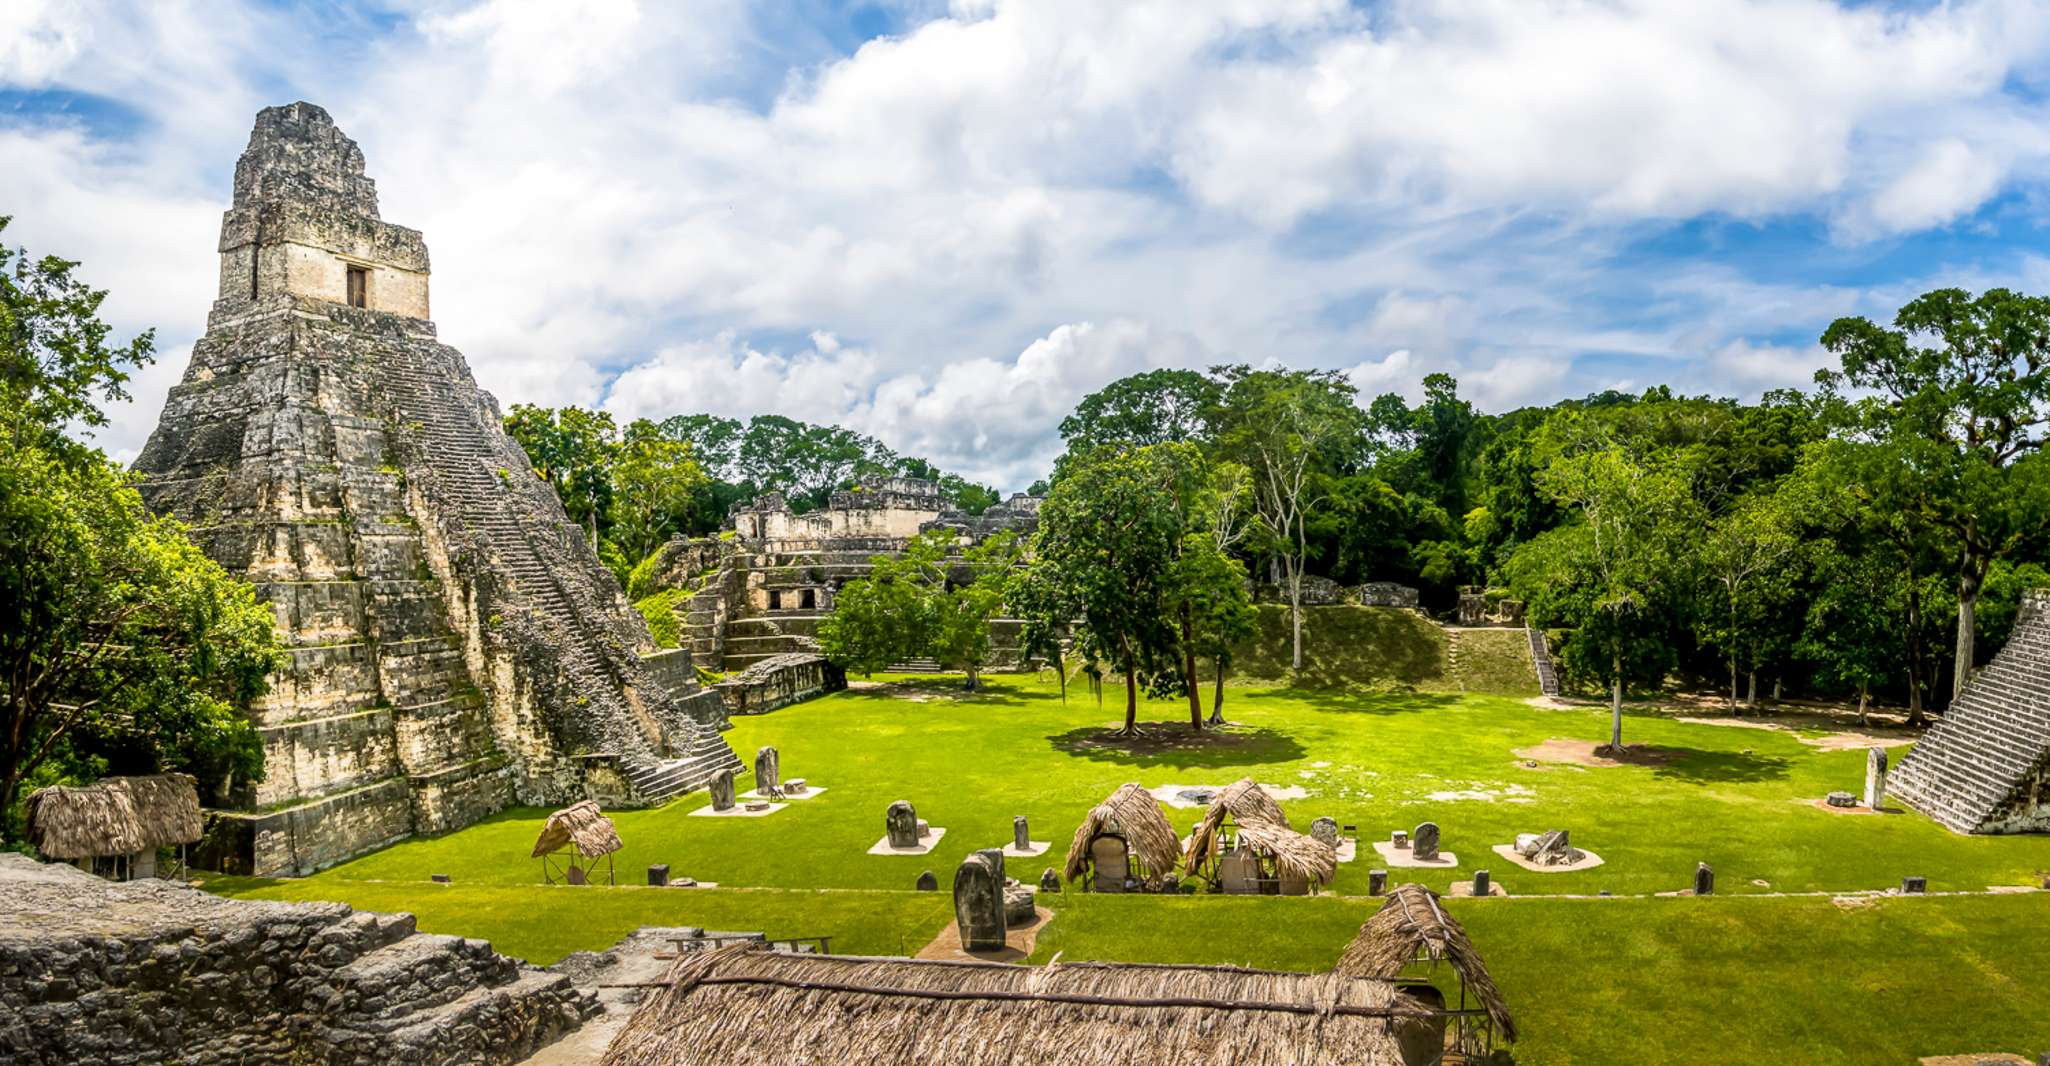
[(928, 883), (979, 901), (768, 774), (1377, 882), (900, 825), (1049, 880), (1875, 778), (1704, 880), (1424, 842), (1020, 904), (1326, 830), (1021, 834), (722, 791)]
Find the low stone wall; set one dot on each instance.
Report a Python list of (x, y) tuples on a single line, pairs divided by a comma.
[(151, 971), (780, 681)]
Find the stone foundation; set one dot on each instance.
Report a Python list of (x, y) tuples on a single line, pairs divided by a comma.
[(779, 682), (145, 972)]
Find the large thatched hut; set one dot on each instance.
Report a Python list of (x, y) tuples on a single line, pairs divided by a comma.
[(571, 842), (744, 1005), (115, 826), (1407, 940), (1126, 844)]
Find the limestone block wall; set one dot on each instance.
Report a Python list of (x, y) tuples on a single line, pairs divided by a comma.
[(779, 682), (147, 972)]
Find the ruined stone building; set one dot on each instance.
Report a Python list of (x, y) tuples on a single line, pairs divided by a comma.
[(454, 644), (759, 592), (1986, 767)]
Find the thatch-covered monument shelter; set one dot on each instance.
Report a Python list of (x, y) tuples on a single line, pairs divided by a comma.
[(114, 826), (1126, 844), (744, 1005), (585, 835), (1265, 858), (1406, 941)]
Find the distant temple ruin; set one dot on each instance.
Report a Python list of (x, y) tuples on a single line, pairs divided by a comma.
[(758, 593), (1986, 767), (455, 645)]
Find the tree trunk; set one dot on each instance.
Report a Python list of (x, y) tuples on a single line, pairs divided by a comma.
[(1217, 695), (1916, 718), (1060, 668), (1751, 695), (974, 679), (1779, 685), (1616, 705), (1131, 699), (1970, 576), (1189, 672), (1864, 698), (1733, 685)]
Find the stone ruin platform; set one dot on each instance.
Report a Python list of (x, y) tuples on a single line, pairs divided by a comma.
[(1406, 859), (1589, 860), (152, 971), (737, 811), (809, 792), (925, 844)]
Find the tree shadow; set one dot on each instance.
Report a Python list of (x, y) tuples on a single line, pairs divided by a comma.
[(1173, 744), (1696, 766), (1341, 701)]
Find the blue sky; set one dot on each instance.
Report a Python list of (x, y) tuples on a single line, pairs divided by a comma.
[(943, 223)]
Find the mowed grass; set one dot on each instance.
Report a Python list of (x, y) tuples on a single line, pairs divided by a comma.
[(1738, 799), (1748, 976)]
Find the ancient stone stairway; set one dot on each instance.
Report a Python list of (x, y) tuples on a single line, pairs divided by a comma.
[(1541, 659), (465, 468), (1995, 739)]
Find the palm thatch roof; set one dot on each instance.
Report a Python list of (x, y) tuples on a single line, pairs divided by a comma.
[(1304, 856), (1413, 923), (1244, 801), (743, 1005), (581, 825), (114, 816), (1134, 814)]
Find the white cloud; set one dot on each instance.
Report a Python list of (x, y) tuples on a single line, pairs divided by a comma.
[(610, 193)]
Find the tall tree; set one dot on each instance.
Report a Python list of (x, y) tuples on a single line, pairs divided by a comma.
[(1748, 557), (1962, 386), (573, 449), (1152, 407), (56, 364), (1290, 429), (655, 482)]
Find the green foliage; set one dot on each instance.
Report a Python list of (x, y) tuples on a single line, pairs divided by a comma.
[(573, 449), (1151, 407), (654, 483), (125, 648), (935, 600), (56, 365), (664, 622)]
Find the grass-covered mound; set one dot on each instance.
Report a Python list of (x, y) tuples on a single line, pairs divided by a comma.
[(1387, 648)]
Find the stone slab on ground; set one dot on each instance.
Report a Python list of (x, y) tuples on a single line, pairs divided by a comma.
[(1038, 848), (737, 812), (1508, 851), (1406, 859), (1824, 805), (1171, 794), (2001, 1057), (1018, 942), (795, 797), (1349, 849), (882, 847)]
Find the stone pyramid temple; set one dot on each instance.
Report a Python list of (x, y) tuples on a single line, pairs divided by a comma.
[(1986, 767), (455, 647)]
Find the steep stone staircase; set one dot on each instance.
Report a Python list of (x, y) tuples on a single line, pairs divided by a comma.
[(474, 486), (1975, 768), (1541, 659)]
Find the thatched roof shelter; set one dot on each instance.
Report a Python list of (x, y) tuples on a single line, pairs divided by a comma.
[(743, 1005), (114, 816), (579, 825), (1134, 814), (1413, 925), (1304, 856), (1243, 801)]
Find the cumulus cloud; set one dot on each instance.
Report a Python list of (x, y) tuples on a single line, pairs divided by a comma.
[(983, 216)]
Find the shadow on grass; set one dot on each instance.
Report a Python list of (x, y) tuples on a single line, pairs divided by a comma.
[(1174, 744), (1342, 701), (1696, 766)]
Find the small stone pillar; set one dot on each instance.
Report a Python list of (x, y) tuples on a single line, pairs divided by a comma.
[(1423, 843), (1021, 834), (1049, 880), (768, 773), (1399, 840), (979, 901), (1326, 830), (900, 825), (722, 790), (1914, 886), (1481, 887), (439, 879), (658, 874), (1377, 882), (1875, 778), (928, 883), (1704, 879)]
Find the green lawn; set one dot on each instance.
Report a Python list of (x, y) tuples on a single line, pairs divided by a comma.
[(1636, 980)]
